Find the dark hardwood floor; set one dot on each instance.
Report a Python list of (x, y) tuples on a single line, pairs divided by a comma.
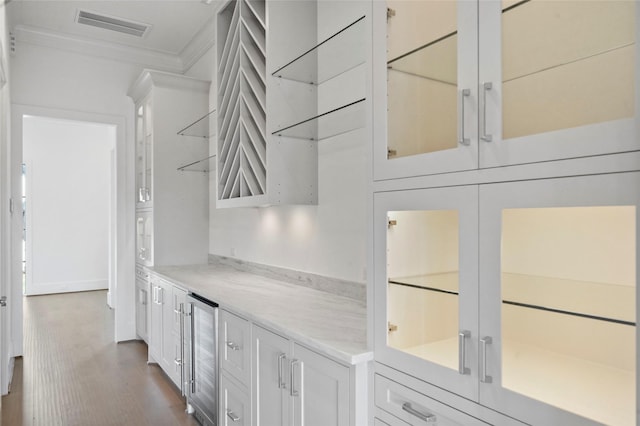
[(72, 372)]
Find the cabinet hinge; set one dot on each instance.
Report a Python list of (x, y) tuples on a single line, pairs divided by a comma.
[(392, 327), (391, 153), (390, 13), (391, 222)]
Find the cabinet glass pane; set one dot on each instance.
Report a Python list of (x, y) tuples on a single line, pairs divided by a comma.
[(422, 77), (140, 149), (568, 309), (566, 64), (422, 294)]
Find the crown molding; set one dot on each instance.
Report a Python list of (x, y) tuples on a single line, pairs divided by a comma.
[(114, 51), (199, 45), (153, 78)]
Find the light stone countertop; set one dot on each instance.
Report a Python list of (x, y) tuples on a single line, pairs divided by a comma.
[(331, 324)]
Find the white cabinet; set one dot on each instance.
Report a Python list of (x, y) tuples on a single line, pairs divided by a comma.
[(173, 339), (144, 237), (175, 229), (520, 296), (427, 248), (166, 338), (235, 404), (481, 84), (558, 306), (144, 153), (235, 346), (142, 304), (159, 291), (296, 386)]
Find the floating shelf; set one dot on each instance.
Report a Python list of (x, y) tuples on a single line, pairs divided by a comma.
[(199, 128), (553, 295), (337, 54), (204, 166), (331, 123)]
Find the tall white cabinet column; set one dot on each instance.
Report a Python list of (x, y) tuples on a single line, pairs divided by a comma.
[(171, 202), (171, 205)]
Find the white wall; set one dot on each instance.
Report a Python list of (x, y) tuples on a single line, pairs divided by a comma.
[(328, 239), (5, 247), (69, 85), (67, 191)]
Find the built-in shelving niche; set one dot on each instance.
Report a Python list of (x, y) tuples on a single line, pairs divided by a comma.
[(242, 143), (335, 55), (201, 128)]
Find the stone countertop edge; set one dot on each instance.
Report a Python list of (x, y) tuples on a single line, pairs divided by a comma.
[(220, 287)]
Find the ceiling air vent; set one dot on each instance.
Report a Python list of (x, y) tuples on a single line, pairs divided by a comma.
[(110, 23)]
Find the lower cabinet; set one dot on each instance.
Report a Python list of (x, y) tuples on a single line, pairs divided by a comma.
[(166, 337), (235, 403), (267, 379), (142, 303), (296, 386)]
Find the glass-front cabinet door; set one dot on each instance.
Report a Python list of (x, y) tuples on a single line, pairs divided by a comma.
[(428, 81), (144, 153), (558, 79), (558, 299), (426, 274)]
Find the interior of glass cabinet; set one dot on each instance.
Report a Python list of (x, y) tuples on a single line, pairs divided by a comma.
[(565, 64), (568, 313)]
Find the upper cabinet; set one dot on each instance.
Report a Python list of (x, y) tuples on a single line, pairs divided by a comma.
[(466, 85), (301, 76), (144, 153)]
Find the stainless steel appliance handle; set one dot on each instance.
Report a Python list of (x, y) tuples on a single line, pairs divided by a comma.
[(193, 350), (182, 389)]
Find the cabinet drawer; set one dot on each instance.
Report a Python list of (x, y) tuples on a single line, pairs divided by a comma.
[(235, 404), (416, 408), (235, 345)]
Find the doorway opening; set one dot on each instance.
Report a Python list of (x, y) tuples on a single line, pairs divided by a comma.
[(67, 181)]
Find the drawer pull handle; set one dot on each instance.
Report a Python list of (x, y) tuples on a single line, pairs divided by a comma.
[(425, 417), (233, 346), (234, 418)]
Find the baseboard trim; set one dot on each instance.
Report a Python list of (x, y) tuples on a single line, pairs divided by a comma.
[(35, 289)]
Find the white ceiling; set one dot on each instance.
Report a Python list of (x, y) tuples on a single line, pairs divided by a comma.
[(175, 23)]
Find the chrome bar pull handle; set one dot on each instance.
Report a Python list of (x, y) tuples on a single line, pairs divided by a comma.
[(425, 417), (232, 346), (293, 392), (282, 384), (483, 130), (233, 416), (484, 377), (462, 351), (463, 94)]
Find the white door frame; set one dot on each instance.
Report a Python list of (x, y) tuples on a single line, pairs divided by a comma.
[(122, 213)]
